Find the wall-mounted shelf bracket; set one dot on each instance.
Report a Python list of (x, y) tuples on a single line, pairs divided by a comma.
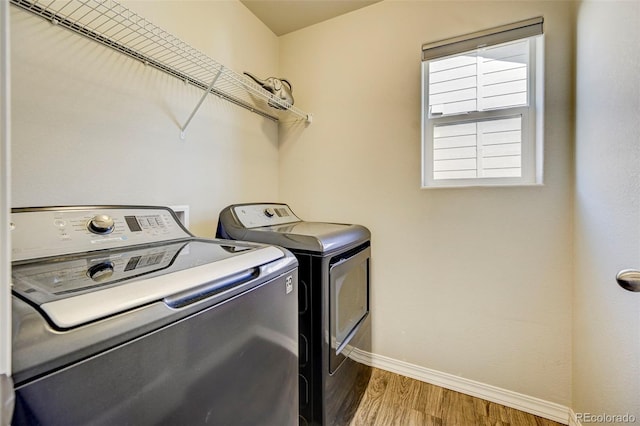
[(204, 95)]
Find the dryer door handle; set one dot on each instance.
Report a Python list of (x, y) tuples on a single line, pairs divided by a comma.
[(213, 288)]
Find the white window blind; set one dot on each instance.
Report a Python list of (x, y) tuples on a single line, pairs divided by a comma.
[(479, 113), (494, 77), (491, 148)]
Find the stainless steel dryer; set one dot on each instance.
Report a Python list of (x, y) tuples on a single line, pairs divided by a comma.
[(333, 303), (121, 316)]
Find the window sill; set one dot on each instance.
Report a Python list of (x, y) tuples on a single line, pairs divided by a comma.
[(485, 185)]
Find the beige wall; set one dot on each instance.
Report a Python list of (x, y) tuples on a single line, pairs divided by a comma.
[(93, 126), (474, 282), (606, 362)]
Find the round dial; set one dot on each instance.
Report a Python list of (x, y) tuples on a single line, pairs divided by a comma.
[(101, 224), (269, 212), (101, 272)]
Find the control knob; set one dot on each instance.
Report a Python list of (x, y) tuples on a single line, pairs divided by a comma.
[(268, 212), (101, 272), (101, 224)]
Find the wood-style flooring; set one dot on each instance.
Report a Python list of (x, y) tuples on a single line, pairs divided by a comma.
[(394, 400)]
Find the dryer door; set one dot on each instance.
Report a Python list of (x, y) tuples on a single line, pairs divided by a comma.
[(348, 301)]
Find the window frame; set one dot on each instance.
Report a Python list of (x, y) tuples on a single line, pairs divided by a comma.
[(532, 114)]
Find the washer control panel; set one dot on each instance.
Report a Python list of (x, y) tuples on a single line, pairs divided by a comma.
[(46, 232), (257, 215)]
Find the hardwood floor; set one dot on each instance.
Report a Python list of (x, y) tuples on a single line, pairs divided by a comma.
[(394, 400)]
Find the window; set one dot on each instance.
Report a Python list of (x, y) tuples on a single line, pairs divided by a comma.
[(482, 108)]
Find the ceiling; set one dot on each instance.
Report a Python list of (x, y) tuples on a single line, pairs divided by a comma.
[(285, 16)]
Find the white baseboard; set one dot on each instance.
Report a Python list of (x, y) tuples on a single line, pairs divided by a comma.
[(528, 404)]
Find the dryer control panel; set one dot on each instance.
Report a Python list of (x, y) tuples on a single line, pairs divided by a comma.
[(52, 231), (265, 214)]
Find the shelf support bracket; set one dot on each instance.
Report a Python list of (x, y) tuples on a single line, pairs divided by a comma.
[(204, 95)]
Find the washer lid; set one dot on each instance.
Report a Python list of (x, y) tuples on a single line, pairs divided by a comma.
[(78, 289), (320, 237)]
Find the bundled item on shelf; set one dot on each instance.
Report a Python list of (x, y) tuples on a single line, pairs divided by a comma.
[(279, 87)]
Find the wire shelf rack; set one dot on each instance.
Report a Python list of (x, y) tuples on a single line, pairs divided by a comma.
[(111, 24)]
